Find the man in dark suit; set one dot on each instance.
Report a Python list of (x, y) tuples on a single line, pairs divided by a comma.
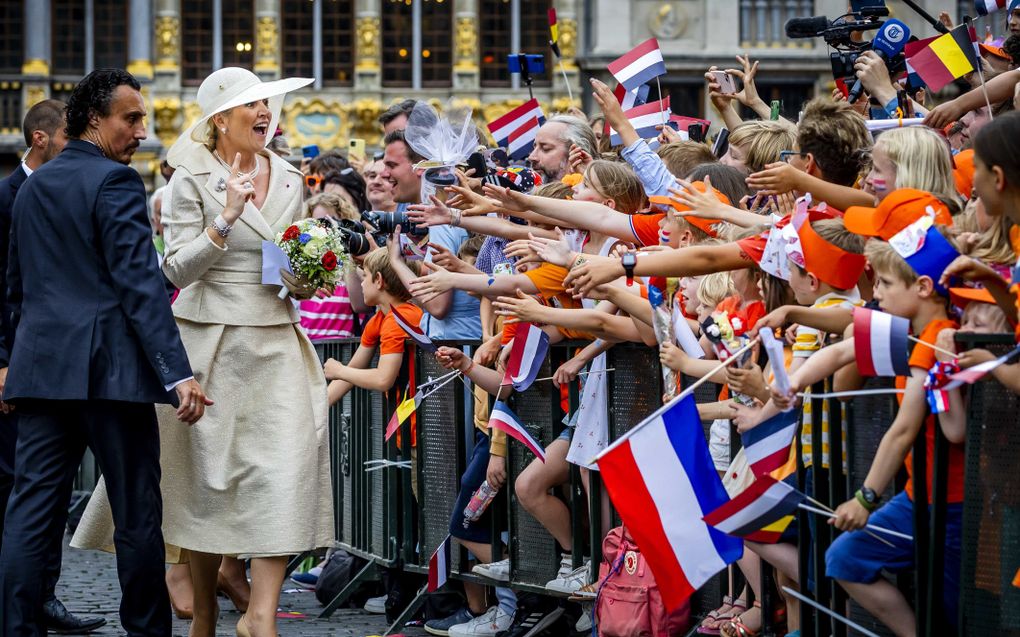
[(44, 135), (95, 346)]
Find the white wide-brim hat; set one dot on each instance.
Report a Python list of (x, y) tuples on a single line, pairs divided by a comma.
[(228, 88)]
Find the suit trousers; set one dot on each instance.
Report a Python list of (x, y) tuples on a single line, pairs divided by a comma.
[(8, 443), (52, 437)]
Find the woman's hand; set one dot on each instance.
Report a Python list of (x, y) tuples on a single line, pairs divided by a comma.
[(508, 199), (518, 308), (332, 368), (298, 286), (452, 358), (468, 179), (427, 287), (434, 214), (672, 356), (239, 190), (776, 179), (469, 202)]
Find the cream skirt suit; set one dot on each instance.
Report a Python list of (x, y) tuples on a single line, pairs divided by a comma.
[(252, 477)]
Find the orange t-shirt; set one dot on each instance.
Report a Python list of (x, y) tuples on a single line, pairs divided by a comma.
[(924, 358), (382, 329), (548, 278), (646, 228)]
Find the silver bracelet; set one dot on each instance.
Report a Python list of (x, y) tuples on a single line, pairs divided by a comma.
[(221, 226), (454, 217)]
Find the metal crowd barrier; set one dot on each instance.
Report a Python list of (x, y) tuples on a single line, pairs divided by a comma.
[(380, 519)]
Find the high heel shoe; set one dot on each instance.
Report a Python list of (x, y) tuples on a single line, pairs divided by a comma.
[(236, 596), (179, 611), (242, 628)]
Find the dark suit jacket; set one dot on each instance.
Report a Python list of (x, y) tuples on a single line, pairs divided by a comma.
[(91, 316), (8, 191)]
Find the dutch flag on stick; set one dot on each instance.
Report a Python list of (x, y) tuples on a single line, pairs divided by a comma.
[(880, 343), (644, 119), (505, 420), (767, 446), (642, 64), (971, 375), (522, 141), (760, 513), (502, 127), (415, 333), (439, 566), (529, 349), (984, 7)]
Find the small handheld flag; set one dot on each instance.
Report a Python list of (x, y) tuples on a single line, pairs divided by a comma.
[(644, 119), (640, 65), (401, 413), (935, 385), (414, 332), (554, 44), (768, 445), (439, 566), (880, 343), (529, 349), (971, 375), (759, 513), (984, 7), (504, 419), (518, 127), (946, 58)]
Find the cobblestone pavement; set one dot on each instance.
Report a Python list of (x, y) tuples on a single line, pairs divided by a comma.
[(88, 585)]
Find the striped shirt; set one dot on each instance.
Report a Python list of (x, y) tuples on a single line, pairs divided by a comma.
[(331, 317)]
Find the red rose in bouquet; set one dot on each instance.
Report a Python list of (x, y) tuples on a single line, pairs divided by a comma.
[(291, 233), (329, 261)]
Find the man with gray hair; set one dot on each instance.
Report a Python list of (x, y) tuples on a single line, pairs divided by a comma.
[(552, 145)]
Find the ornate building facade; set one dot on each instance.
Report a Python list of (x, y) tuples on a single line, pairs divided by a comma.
[(366, 54)]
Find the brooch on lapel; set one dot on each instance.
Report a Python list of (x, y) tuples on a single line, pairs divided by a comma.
[(221, 185)]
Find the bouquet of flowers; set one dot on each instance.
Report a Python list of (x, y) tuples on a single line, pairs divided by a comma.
[(316, 252)]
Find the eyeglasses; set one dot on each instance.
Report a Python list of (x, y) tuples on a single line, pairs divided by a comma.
[(785, 155), (312, 181)]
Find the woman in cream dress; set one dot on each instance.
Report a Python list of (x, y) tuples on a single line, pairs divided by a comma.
[(252, 480)]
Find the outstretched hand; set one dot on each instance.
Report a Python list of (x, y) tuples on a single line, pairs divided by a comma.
[(435, 213), (429, 286), (518, 308), (469, 202), (507, 198), (596, 270)]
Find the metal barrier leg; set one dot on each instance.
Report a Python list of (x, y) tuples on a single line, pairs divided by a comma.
[(363, 575), (412, 608), (295, 562)]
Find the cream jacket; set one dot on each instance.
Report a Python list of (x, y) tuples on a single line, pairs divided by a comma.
[(224, 285)]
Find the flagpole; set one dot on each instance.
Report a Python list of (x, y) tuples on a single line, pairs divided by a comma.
[(811, 602), (852, 393), (599, 371), (826, 507), (934, 347), (570, 93), (880, 529), (661, 112), (684, 394), (981, 74)]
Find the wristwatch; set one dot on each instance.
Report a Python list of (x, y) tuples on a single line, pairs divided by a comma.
[(221, 226), (629, 260), (867, 498)]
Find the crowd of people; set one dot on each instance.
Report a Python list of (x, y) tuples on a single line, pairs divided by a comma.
[(169, 309)]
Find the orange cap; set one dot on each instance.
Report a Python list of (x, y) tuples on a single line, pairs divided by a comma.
[(997, 51), (899, 209), (705, 225), (963, 172), (961, 297), (830, 263)]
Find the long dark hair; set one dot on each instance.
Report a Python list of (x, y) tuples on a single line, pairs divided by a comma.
[(93, 95), (995, 145), (352, 182)]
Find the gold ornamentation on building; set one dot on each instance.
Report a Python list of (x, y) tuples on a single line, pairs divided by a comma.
[(36, 67), (465, 44), (363, 119), (267, 45), (192, 111), (34, 93), (564, 104), (367, 37), (315, 121), (568, 41), (668, 22), (165, 113), (141, 69), (168, 42)]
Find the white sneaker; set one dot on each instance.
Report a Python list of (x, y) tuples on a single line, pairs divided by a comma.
[(583, 624), (499, 571), (570, 582), (376, 605), (566, 565), (491, 622)]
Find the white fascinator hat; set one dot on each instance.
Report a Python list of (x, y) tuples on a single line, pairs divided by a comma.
[(228, 88)]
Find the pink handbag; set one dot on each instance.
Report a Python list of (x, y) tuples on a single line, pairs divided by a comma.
[(628, 602)]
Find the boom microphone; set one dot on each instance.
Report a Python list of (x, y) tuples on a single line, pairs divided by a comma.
[(806, 27), (888, 43)]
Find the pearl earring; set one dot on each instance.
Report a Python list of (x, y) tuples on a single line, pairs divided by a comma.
[(224, 131)]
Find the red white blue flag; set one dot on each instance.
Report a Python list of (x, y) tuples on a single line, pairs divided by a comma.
[(504, 419), (414, 332), (759, 513), (522, 141), (767, 445), (630, 99), (520, 117), (984, 7), (662, 481), (529, 349), (644, 119), (880, 343), (971, 375), (439, 566), (642, 64)]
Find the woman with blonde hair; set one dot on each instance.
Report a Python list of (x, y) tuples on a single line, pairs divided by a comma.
[(913, 157)]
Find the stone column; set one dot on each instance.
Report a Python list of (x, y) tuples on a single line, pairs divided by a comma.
[(140, 40), (166, 102), (36, 67), (466, 72), (368, 47), (569, 42), (267, 39)]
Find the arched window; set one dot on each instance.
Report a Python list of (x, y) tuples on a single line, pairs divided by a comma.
[(196, 40), (435, 29), (336, 30), (497, 39), (12, 44)]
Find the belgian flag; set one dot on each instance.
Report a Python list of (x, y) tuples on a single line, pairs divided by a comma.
[(945, 58)]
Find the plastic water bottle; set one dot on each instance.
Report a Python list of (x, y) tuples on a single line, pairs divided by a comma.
[(480, 501)]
